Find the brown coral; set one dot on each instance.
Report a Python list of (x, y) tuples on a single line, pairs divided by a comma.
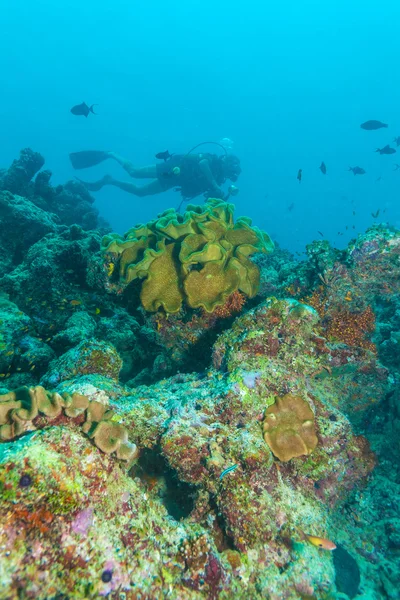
[(20, 408), (195, 552), (352, 328), (289, 428)]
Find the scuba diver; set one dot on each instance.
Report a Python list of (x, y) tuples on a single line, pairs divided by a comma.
[(190, 174)]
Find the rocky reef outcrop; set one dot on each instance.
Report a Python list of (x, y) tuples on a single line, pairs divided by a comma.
[(200, 454)]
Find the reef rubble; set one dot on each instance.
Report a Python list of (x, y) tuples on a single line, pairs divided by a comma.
[(216, 451)]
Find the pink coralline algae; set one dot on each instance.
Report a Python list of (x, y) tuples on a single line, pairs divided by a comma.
[(83, 522)]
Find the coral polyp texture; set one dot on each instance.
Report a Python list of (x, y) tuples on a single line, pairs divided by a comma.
[(289, 428), (210, 430), (25, 409), (198, 259)]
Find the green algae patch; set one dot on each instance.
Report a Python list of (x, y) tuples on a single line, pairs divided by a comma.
[(53, 483)]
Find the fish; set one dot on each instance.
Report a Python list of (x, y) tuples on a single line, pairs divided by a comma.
[(371, 125), (396, 167), (319, 542), (397, 140), (357, 170), (75, 302), (228, 470), (386, 150), (375, 215), (83, 110), (320, 233), (163, 155), (299, 175), (323, 168), (291, 207), (379, 178)]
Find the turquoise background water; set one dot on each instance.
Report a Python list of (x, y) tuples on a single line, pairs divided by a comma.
[(288, 82)]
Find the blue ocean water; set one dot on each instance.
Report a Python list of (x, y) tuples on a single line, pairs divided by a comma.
[(289, 83)]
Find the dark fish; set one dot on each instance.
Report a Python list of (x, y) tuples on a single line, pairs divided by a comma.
[(357, 170), (299, 175), (375, 215), (386, 150), (320, 233), (397, 140), (379, 178), (354, 212), (164, 155), (396, 167), (371, 125), (82, 110), (291, 207), (323, 168)]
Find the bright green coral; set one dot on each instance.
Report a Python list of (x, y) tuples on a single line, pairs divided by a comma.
[(199, 258)]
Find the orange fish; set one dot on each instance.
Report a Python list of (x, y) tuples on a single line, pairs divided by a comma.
[(75, 302), (322, 543)]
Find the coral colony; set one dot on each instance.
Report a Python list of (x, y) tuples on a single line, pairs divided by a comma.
[(187, 412)]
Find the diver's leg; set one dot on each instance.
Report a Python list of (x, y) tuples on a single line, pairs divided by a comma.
[(149, 172), (95, 186), (150, 189)]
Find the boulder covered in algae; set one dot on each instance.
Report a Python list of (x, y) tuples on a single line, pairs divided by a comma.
[(77, 522)]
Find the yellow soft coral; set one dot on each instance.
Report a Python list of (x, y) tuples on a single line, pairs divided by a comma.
[(199, 258)]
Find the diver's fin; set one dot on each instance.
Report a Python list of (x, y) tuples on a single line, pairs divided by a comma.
[(87, 158)]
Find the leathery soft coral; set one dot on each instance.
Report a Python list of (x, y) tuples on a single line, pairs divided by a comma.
[(198, 259)]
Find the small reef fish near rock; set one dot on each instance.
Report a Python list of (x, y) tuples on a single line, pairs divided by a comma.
[(228, 470), (319, 542), (372, 125), (386, 150), (357, 170), (83, 110)]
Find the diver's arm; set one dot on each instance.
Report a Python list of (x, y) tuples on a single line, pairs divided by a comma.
[(205, 169)]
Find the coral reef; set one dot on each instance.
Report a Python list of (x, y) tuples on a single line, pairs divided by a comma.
[(67, 204), (199, 258), (289, 428), (22, 410), (192, 455)]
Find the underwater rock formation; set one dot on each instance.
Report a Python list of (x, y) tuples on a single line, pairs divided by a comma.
[(243, 526), (21, 172), (67, 204), (22, 225), (179, 488)]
